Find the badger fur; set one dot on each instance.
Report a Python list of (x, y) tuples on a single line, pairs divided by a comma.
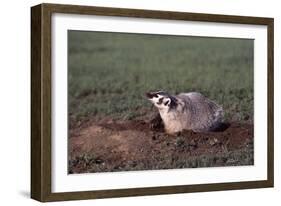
[(186, 111)]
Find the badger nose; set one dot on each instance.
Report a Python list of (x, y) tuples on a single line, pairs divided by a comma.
[(149, 95)]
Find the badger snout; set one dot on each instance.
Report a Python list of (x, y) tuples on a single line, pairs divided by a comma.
[(150, 95)]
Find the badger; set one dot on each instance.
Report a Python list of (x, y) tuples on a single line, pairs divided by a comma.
[(187, 111)]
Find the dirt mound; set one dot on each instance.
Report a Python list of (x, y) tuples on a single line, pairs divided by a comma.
[(132, 145)]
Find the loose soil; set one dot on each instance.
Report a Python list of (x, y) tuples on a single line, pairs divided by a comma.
[(103, 146)]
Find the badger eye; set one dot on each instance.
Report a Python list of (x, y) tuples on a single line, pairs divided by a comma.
[(160, 101)]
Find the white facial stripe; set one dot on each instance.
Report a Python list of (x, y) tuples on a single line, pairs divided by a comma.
[(155, 99)]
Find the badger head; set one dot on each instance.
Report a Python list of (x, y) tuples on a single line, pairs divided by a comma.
[(162, 100)]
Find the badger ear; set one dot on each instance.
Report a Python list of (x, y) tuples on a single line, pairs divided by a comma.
[(167, 102)]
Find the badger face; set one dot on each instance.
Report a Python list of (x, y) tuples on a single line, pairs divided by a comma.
[(161, 100)]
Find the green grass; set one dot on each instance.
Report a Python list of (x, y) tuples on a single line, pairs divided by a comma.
[(108, 73)]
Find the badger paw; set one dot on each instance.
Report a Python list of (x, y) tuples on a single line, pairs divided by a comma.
[(156, 123)]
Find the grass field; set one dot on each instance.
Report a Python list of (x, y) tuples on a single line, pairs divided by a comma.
[(108, 76), (108, 73)]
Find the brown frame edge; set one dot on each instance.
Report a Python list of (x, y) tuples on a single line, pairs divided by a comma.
[(41, 101)]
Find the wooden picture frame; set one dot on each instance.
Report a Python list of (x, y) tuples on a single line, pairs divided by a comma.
[(41, 117)]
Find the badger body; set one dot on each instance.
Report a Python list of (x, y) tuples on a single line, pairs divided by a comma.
[(187, 111)]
